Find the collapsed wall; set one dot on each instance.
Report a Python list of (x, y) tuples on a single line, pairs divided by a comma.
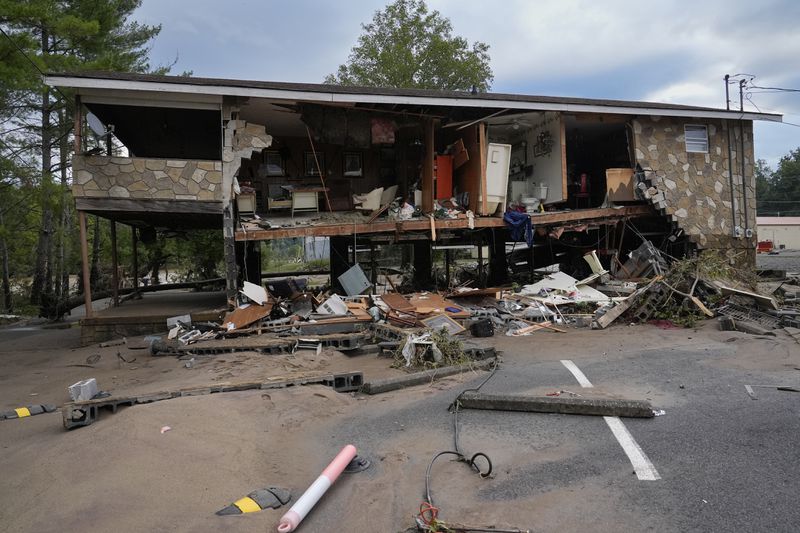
[(694, 189)]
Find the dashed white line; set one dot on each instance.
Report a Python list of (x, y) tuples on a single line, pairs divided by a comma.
[(644, 468), (641, 464), (585, 383)]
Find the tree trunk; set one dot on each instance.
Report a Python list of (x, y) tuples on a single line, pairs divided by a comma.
[(40, 275), (61, 273), (8, 304)]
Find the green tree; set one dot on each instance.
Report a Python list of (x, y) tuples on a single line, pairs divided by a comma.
[(408, 46), (56, 35)]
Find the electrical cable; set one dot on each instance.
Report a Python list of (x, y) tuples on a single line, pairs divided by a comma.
[(429, 513)]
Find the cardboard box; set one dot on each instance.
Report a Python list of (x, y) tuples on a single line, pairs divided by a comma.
[(619, 184)]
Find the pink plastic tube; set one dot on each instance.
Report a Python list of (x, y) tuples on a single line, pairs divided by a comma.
[(311, 496)]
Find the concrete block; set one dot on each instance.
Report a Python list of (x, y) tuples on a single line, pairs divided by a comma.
[(83, 390)]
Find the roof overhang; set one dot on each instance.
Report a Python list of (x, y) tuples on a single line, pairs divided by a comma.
[(210, 92)]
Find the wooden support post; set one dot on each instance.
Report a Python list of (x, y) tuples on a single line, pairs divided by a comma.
[(135, 257), (498, 263), (483, 148), (87, 283), (114, 265), (447, 267), (229, 243), (422, 264), (338, 260), (481, 280), (77, 132), (252, 261), (427, 167)]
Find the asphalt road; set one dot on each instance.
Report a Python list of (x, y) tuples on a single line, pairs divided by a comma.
[(727, 462), (788, 260)]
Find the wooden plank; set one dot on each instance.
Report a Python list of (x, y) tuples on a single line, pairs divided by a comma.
[(87, 285), (335, 230), (397, 302), (244, 316), (468, 175), (482, 149), (427, 167)]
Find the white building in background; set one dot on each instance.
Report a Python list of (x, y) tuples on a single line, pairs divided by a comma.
[(784, 232)]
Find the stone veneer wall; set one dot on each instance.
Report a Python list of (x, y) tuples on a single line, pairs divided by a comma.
[(133, 177), (693, 189)]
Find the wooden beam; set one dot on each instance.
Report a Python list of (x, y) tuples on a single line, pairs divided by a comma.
[(427, 167), (424, 225), (135, 258), (77, 126), (87, 285), (482, 149), (114, 265)]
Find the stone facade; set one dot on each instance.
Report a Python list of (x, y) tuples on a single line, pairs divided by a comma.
[(133, 177), (693, 189)]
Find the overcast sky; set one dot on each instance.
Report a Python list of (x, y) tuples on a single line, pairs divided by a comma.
[(658, 51)]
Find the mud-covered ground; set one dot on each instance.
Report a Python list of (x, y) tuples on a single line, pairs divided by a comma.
[(725, 462)]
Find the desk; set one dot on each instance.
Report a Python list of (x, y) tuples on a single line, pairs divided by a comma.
[(304, 198)]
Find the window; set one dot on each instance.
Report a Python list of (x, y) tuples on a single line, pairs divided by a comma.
[(314, 163), (273, 164), (696, 138), (353, 165)]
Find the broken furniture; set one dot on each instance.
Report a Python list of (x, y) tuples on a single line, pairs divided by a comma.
[(304, 198), (278, 198)]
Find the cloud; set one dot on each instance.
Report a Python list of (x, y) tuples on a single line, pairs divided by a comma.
[(660, 51)]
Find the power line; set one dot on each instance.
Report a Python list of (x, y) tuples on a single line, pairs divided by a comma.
[(21, 51)]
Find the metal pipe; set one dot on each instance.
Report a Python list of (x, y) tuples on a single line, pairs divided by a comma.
[(741, 139), (730, 156)]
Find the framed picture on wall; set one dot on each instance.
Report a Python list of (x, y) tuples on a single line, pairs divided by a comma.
[(311, 163), (273, 164), (353, 165)]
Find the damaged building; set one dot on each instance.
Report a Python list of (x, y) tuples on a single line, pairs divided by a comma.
[(525, 180)]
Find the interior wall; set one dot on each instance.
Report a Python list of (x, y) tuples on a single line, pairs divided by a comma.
[(547, 167), (378, 169), (594, 144)]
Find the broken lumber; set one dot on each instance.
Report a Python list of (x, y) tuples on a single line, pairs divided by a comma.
[(379, 386), (615, 312), (561, 405)]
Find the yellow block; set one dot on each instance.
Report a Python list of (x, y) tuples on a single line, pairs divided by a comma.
[(22, 412), (247, 505)]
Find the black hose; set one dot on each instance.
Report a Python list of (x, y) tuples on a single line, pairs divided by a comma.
[(457, 451)]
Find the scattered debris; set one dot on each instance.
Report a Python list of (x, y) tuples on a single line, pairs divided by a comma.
[(164, 429), (420, 378)]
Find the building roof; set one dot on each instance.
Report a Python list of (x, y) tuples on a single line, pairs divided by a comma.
[(118, 81), (778, 221)]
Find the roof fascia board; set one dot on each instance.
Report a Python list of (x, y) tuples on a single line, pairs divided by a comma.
[(312, 96), (140, 102)]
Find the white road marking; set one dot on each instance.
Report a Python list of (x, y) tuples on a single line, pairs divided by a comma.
[(641, 464), (644, 469), (585, 383)]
